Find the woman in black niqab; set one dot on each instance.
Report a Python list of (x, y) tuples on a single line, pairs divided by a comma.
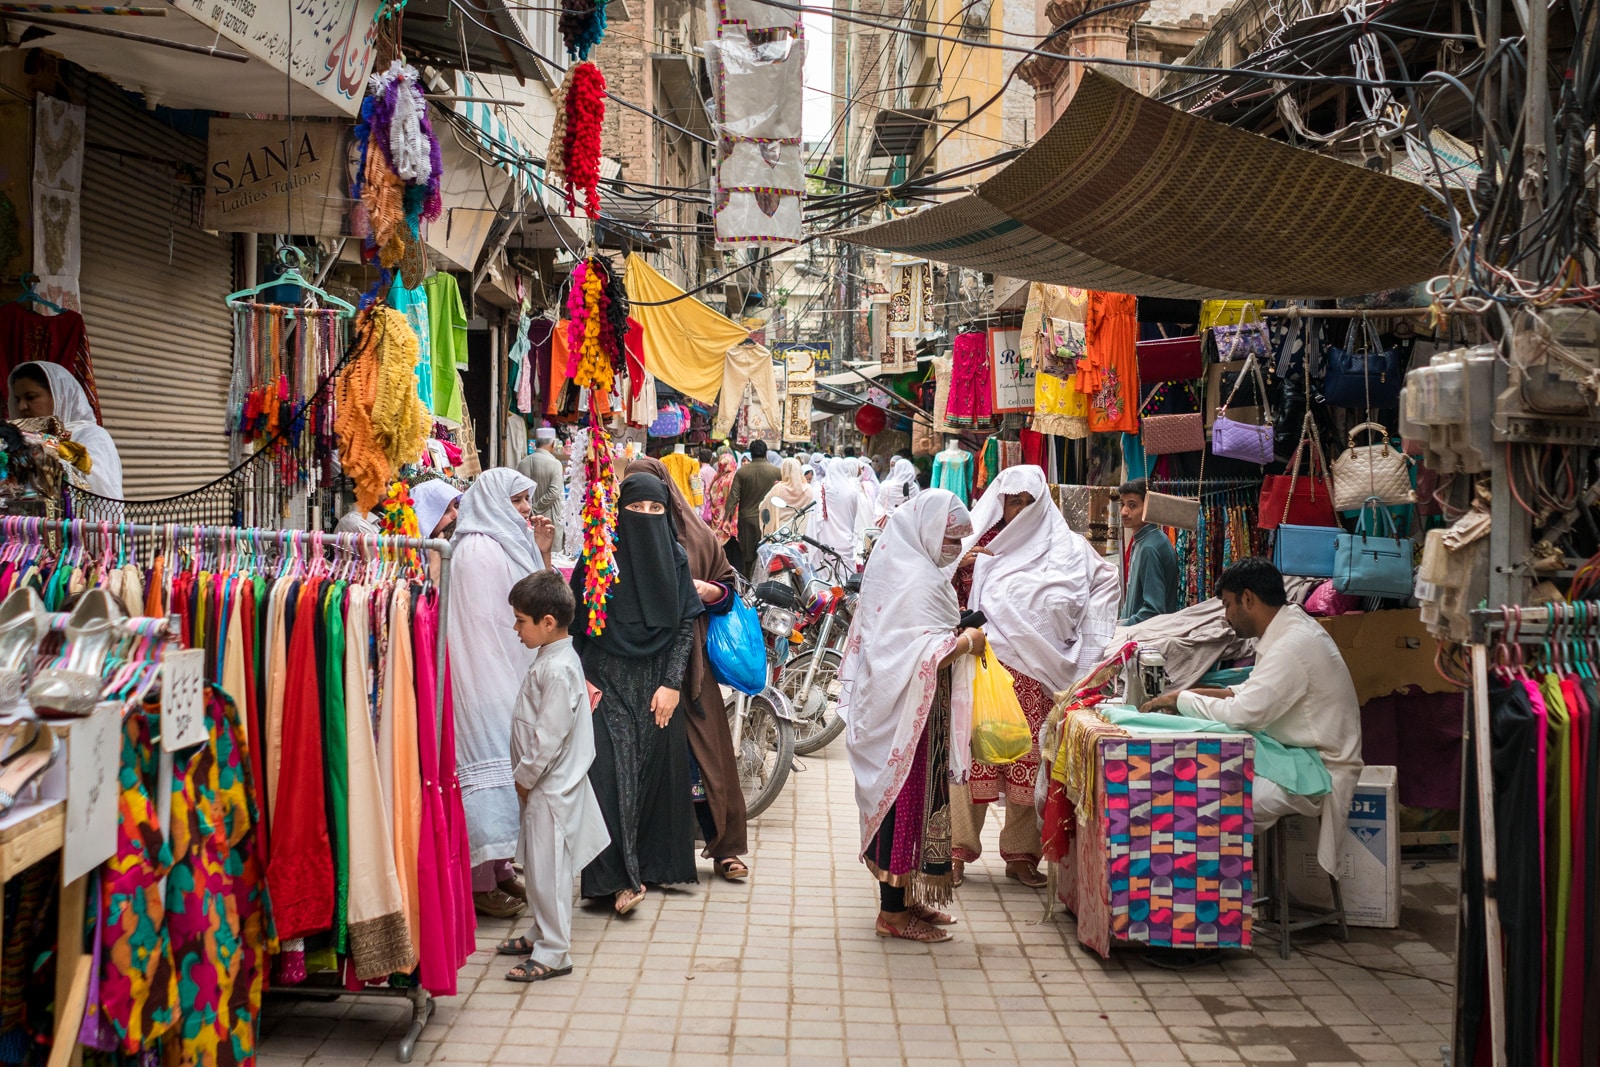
[(640, 772)]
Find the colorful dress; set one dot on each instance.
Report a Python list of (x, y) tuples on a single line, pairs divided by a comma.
[(1109, 372)]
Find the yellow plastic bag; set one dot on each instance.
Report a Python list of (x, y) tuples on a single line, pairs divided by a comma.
[(1000, 733)]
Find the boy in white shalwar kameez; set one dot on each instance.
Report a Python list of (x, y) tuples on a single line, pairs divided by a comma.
[(552, 746)]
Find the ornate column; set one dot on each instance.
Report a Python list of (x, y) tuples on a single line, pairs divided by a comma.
[(1100, 35)]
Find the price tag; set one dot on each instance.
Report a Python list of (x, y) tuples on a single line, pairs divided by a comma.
[(183, 720), (94, 751)]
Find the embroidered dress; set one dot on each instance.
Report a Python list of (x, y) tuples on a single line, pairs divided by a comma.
[(1109, 372), (971, 402)]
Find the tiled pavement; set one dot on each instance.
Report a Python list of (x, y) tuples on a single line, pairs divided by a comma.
[(786, 969)]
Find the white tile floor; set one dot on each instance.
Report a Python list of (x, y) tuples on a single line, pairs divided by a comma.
[(786, 969)]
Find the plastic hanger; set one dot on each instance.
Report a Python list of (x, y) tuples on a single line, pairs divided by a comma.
[(30, 295), (292, 259)]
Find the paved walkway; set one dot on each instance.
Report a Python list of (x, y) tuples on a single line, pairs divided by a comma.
[(786, 969)]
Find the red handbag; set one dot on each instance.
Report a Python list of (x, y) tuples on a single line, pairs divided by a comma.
[(1299, 501), (1170, 359)]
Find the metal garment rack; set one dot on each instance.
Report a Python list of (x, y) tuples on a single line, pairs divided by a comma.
[(309, 545)]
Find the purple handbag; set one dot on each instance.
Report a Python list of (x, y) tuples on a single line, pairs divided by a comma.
[(1244, 440)]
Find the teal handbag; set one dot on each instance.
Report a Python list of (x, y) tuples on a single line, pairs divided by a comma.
[(1305, 551), (1369, 565)]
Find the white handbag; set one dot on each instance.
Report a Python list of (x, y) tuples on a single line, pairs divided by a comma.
[(1365, 471)]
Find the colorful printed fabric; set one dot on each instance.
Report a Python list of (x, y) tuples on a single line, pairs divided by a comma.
[(1179, 835), (217, 910)]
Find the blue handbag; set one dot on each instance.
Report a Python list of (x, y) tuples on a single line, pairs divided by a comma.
[(1368, 565), (736, 648), (1368, 377), (1305, 551)]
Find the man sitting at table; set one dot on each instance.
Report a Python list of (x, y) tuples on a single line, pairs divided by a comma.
[(1298, 693)]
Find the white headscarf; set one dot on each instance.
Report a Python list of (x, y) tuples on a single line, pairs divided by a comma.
[(76, 415), (791, 485), (869, 478), (845, 510), (1050, 600), (486, 509), (431, 500), (905, 623), (899, 487)]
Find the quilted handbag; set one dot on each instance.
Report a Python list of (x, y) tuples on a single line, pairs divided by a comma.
[(1291, 498), (1374, 470), (1363, 374), (1369, 565), (1170, 359), (1237, 439), (1305, 551), (1222, 380), (1165, 434)]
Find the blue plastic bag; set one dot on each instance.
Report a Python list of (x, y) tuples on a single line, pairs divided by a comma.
[(737, 649)]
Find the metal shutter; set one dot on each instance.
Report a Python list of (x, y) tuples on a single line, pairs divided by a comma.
[(152, 286)]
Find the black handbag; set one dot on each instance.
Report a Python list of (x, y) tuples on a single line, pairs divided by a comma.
[(1363, 374)]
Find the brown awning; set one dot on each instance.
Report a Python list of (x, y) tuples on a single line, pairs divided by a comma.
[(1125, 194)]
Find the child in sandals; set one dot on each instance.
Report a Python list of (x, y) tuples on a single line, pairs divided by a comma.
[(552, 746)]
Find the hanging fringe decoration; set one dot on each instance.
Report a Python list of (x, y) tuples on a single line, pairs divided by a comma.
[(593, 336), (381, 423), (398, 179), (582, 112), (282, 355), (583, 24)]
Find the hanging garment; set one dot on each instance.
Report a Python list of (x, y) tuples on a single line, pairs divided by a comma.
[(1109, 372), (748, 364), (971, 400), (684, 470), (447, 325), (413, 304), (398, 749), (952, 470)]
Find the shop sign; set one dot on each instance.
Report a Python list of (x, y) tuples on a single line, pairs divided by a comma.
[(1013, 377), (262, 175), (326, 45)]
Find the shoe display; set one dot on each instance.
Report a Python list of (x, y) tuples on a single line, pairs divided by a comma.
[(24, 767), (74, 688), (23, 626)]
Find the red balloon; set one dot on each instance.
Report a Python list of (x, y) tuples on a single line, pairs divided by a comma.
[(871, 420)]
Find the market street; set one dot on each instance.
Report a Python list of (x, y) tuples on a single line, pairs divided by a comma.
[(786, 969)]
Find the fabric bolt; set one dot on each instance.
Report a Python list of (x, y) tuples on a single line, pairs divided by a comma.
[(747, 365), (1109, 372), (447, 328), (971, 400)]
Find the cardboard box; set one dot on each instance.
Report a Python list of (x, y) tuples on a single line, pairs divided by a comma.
[(1369, 860)]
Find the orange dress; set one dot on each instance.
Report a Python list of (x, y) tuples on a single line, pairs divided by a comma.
[(1109, 373)]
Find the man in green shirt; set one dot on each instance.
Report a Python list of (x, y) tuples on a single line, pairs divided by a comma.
[(1149, 565)]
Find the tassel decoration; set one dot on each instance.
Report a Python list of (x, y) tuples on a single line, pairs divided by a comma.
[(584, 106), (582, 24)]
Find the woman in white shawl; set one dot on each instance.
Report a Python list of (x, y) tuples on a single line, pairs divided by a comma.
[(843, 510), (40, 389), (786, 499), (493, 548), (1050, 605), (907, 727), (899, 486)]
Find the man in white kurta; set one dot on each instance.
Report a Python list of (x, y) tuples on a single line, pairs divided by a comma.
[(1299, 693), (552, 746)]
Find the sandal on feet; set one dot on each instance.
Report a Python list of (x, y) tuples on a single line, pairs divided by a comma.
[(915, 930), (932, 916), (733, 869), (531, 970), (958, 872), (1026, 873), (514, 946), (627, 900)]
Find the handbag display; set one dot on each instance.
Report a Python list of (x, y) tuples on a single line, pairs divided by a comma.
[(1236, 439), (1289, 498), (1369, 565), (1165, 434), (1179, 512), (1222, 382), (1170, 359), (1368, 377), (1374, 470), (1248, 338), (1305, 551)]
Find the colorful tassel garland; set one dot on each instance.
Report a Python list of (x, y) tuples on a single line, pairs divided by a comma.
[(584, 107)]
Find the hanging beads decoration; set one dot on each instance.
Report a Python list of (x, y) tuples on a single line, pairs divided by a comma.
[(593, 338)]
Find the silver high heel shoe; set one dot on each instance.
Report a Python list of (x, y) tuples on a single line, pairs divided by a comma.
[(25, 769), (23, 625), (74, 688)]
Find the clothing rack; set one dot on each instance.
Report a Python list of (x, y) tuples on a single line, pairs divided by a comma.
[(1568, 634), (230, 543)]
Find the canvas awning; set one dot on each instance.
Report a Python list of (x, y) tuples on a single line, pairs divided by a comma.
[(685, 342), (1125, 194)]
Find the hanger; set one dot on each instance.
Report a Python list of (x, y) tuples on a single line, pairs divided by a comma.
[(292, 259), (31, 295)]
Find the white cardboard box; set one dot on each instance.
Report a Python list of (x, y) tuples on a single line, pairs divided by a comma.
[(1369, 859)]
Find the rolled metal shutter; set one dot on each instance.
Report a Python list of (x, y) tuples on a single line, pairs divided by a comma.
[(152, 284)]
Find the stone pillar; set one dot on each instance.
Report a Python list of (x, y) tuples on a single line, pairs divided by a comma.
[(1103, 35)]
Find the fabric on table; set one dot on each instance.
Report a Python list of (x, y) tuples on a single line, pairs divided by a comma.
[(1297, 770), (1191, 640)]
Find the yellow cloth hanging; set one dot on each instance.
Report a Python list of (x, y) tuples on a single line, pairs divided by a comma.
[(685, 342), (1227, 312), (685, 470)]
